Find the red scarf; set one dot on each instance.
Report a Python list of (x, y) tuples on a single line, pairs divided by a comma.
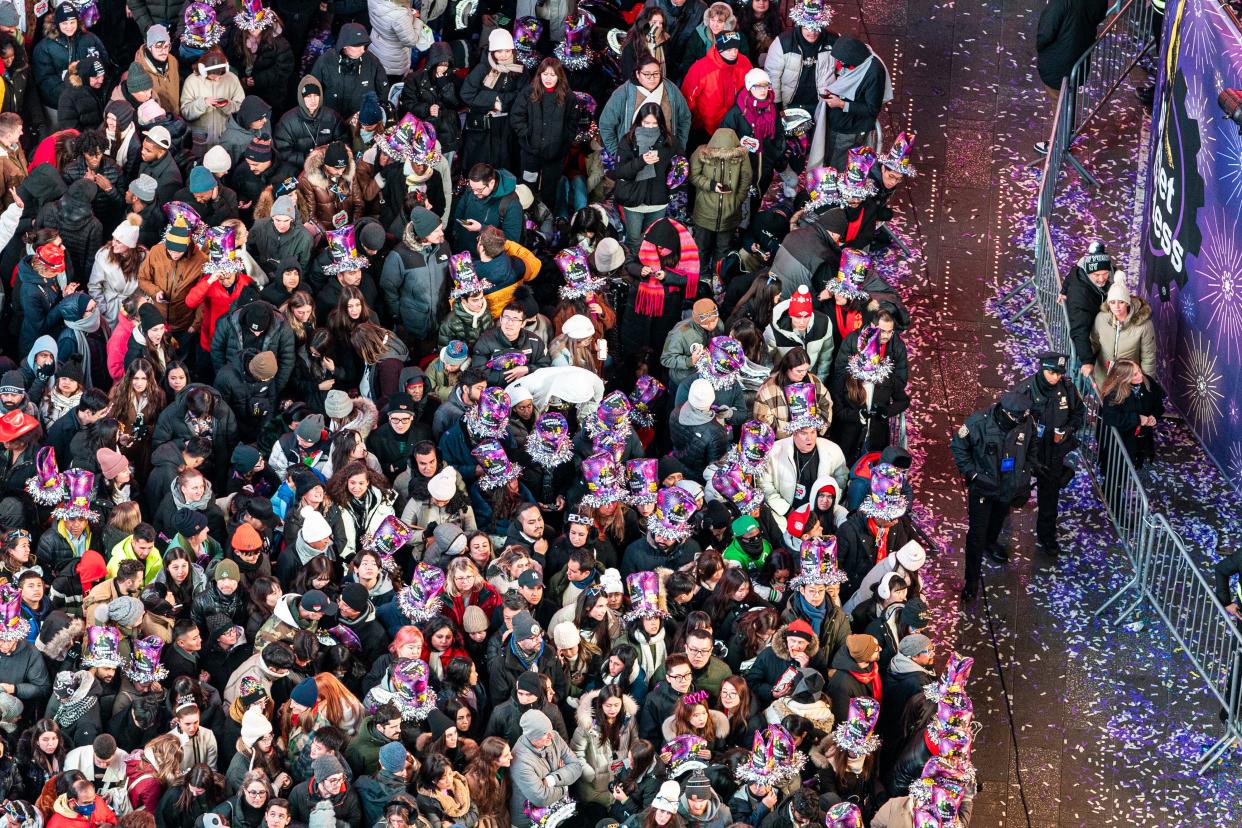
[(761, 115), (871, 678), (881, 539), (651, 293), (848, 319), (851, 230)]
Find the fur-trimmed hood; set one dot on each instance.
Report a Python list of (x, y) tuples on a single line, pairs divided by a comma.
[(781, 649), (586, 702), (56, 647), (364, 417), (314, 169), (1140, 311), (723, 145), (720, 722)]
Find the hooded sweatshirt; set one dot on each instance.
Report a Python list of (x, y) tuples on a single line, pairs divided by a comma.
[(300, 130), (716, 816)]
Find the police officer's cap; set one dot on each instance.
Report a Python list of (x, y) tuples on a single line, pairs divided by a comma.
[(1016, 404), (1052, 361)]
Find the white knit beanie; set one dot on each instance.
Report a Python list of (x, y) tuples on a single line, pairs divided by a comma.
[(127, 231), (315, 528), (499, 40), (1119, 292), (254, 726), (217, 160)]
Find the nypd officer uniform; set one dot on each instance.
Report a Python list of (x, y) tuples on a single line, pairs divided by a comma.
[(1057, 412), (993, 452)]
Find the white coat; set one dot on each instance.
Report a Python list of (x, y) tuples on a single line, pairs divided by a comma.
[(779, 477), (394, 31)]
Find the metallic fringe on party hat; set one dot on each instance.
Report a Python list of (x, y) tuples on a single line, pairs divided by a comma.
[(864, 370), (538, 451), (47, 486), (720, 383), (414, 608), (481, 430), (489, 481)]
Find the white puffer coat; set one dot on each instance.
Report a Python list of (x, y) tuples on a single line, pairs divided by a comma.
[(394, 31)]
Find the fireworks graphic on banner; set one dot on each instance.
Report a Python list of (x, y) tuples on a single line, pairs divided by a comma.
[(1202, 383), (1201, 109), (1235, 459), (1220, 265)]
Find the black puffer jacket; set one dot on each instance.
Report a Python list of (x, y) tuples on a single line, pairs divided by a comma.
[(272, 69), (697, 446), (107, 206), (172, 425), (345, 81), (423, 90), (81, 105), (228, 345), (299, 131), (544, 128), (212, 601), (650, 191), (53, 54), (81, 232), (1083, 298), (252, 401)]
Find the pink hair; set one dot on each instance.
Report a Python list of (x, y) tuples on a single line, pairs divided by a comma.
[(404, 636)]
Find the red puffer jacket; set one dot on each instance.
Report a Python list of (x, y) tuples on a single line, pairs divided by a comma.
[(711, 87)]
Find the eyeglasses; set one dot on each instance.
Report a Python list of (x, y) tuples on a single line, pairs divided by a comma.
[(650, 75), (678, 676), (256, 792), (699, 651)]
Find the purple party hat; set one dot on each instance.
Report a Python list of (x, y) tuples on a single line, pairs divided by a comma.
[(647, 390), (671, 518), (489, 417), (526, 33), (811, 14), (856, 734), (389, 536), (102, 647), (395, 142), (843, 815), (419, 600), (507, 360), (642, 479), (898, 157), (549, 816), (575, 50), (855, 182), (611, 420), (222, 254), (646, 596), (818, 563), (579, 281), (953, 682), (13, 627), (731, 484), (497, 470), (80, 486), (144, 665), (678, 172), (344, 250), (412, 691), (751, 451), (725, 358), (602, 477), (47, 486), (174, 210), (466, 279), (681, 755), (254, 17), (851, 274), (886, 500), (550, 443), (803, 406), (821, 188), (871, 363), (424, 148), (200, 29)]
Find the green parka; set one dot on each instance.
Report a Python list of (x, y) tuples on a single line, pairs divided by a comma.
[(722, 161)]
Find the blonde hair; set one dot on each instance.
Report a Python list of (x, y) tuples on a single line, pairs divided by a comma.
[(125, 516), (165, 755), (1116, 387), (456, 567)]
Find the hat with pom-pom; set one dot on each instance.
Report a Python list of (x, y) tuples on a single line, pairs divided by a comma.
[(1119, 291)]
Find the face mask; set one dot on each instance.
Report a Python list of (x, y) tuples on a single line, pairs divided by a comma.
[(85, 809), (367, 136), (648, 133), (754, 544)]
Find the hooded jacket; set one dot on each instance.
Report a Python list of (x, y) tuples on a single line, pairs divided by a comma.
[(723, 160), (229, 346), (237, 133), (595, 753), (209, 122), (284, 622), (345, 81), (779, 478), (424, 90), (53, 54), (394, 32), (711, 87), (317, 201), (716, 816), (772, 661), (299, 130), (781, 337), (215, 300), (270, 247), (159, 273), (38, 299), (1133, 339)]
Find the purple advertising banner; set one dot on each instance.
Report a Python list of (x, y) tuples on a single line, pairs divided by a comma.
[(1192, 237)]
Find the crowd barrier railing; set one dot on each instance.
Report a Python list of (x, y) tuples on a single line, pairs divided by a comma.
[(1163, 574)]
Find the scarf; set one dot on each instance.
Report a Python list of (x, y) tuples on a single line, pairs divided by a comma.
[(761, 115), (848, 79), (651, 650), (306, 551), (498, 69), (199, 505), (815, 615), (79, 702), (88, 324), (646, 138), (455, 802), (871, 678), (650, 299), (528, 662), (881, 539), (58, 404), (359, 509), (160, 66)]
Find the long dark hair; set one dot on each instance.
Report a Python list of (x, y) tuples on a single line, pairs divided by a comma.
[(637, 35), (200, 776), (28, 749), (792, 359), (643, 111), (757, 302), (610, 731), (718, 603), (644, 755), (627, 654), (561, 89)]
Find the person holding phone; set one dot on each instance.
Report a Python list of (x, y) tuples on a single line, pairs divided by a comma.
[(209, 96), (720, 173)]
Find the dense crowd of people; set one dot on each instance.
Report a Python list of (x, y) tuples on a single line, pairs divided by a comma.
[(467, 415)]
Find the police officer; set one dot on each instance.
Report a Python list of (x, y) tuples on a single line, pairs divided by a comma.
[(992, 451), (1057, 412)]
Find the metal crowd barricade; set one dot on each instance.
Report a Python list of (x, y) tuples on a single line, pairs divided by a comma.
[(1128, 508), (1186, 603), (1121, 44)]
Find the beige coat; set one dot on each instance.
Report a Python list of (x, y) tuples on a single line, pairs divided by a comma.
[(595, 753), (1133, 339), (167, 86), (197, 110)]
